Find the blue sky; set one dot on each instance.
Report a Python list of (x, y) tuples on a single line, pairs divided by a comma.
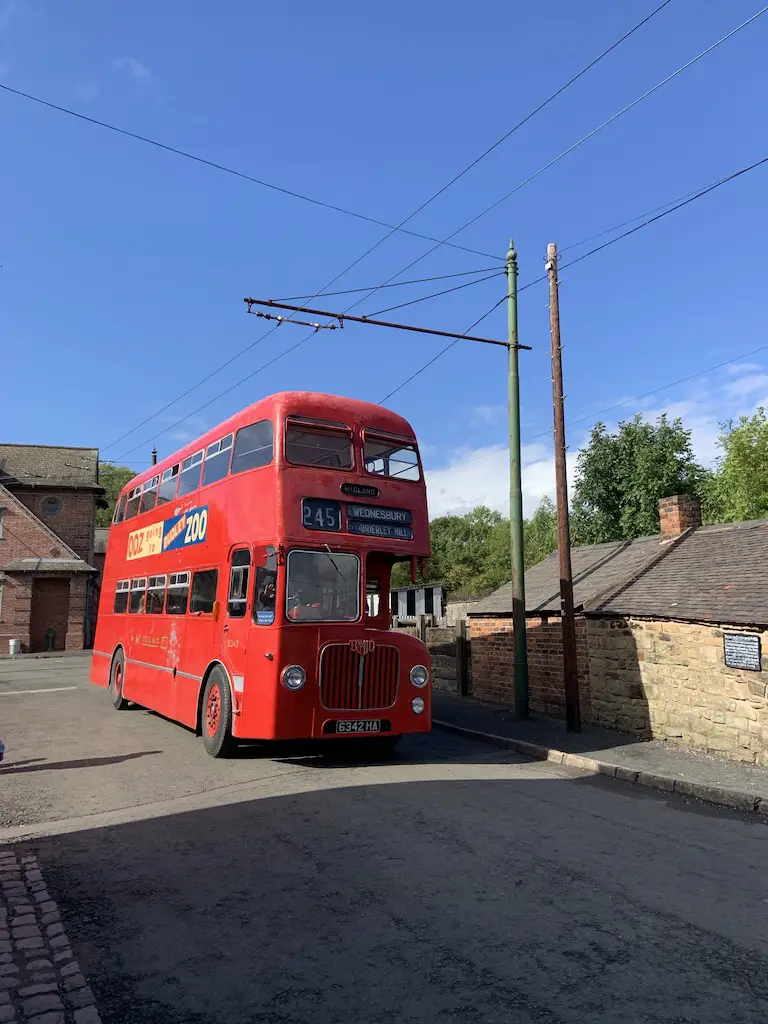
[(124, 267)]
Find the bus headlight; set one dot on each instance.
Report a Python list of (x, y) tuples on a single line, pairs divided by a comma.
[(419, 676), (418, 705), (294, 677)]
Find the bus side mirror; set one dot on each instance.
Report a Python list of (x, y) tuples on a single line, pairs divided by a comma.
[(215, 611)]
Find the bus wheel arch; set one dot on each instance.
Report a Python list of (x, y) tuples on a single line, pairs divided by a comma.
[(215, 710), (117, 679)]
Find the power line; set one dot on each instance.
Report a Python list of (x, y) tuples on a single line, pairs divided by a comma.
[(230, 170), (678, 205), (442, 351), (368, 251), (588, 136), (434, 295), (397, 284)]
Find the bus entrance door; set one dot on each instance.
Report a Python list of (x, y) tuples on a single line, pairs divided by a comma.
[(234, 635)]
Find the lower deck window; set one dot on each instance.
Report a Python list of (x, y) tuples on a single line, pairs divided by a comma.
[(178, 593), (322, 586), (204, 591), (138, 594)]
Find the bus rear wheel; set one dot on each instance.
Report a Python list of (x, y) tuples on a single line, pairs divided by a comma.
[(216, 713), (116, 677)]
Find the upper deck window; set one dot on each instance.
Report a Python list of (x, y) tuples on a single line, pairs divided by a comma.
[(253, 446), (217, 460), (120, 510), (389, 457), (167, 491), (318, 443), (149, 494), (132, 505), (189, 478)]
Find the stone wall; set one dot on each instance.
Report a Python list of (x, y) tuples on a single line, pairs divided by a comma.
[(653, 679), (669, 680)]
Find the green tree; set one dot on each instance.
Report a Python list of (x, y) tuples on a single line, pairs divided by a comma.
[(113, 479), (541, 533), (621, 477), (738, 489)]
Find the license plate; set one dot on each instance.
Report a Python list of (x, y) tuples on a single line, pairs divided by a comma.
[(365, 725)]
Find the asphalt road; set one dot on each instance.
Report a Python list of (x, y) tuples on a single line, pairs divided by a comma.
[(458, 883)]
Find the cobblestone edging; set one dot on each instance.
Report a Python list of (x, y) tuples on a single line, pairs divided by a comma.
[(722, 796), (40, 981)]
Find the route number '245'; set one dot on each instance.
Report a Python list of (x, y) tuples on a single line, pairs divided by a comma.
[(317, 514)]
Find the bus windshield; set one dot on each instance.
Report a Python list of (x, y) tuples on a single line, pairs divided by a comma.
[(322, 586)]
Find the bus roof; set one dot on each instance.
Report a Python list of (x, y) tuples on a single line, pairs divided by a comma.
[(351, 411)]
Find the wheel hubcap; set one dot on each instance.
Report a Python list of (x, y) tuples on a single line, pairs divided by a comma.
[(213, 710), (118, 679)]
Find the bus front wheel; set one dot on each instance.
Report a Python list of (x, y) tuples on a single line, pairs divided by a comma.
[(116, 677), (216, 724)]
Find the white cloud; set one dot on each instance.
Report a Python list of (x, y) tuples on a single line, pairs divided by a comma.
[(747, 385), (487, 415), (481, 477), (133, 67), (738, 368)]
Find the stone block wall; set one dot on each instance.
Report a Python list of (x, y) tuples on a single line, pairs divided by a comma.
[(669, 680), (654, 679)]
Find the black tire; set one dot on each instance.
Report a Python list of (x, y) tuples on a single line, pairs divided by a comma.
[(216, 715), (116, 680)]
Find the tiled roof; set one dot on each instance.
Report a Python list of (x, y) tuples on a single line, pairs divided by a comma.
[(712, 574), (48, 565), (46, 466)]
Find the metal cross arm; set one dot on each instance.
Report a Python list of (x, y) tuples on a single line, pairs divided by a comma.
[(341, 317)]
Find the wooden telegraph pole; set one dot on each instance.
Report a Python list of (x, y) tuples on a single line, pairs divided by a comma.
[(570, 666)]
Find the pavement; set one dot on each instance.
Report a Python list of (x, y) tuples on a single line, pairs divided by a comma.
[(462, 881), (651, 763)]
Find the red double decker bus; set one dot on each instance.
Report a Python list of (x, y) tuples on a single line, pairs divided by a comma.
[(247, 576)]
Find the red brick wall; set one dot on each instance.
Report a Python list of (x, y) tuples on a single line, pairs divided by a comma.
[(493, 657), (74, 524), (15, 610), (22, 537)]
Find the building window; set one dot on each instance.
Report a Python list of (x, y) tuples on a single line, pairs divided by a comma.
[(52, 505), (178, 593), (429, 601), (203, 591), (410, 604), (394, 602), (121, 596)]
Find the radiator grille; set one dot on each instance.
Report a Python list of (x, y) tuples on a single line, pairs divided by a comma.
[(358, 682)]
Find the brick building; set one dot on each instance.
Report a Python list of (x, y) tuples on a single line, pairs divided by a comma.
[(48, 499), (671, 635)]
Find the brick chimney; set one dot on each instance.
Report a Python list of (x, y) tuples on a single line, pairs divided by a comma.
[(679, 513)]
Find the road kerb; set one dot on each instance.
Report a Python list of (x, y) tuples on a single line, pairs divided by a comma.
[(720, 796)]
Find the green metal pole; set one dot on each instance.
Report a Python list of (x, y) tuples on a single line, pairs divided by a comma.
[(516, 495)]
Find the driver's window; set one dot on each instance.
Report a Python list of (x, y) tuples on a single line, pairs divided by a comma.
[(265, 586)]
